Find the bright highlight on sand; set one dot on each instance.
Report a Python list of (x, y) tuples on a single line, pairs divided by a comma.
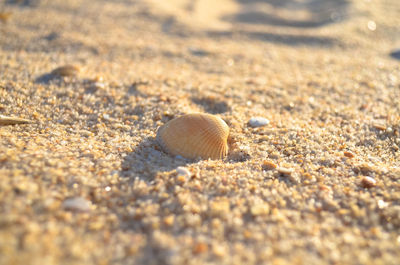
[(371, 25)]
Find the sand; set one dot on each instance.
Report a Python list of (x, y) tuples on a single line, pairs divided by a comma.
[(86, 183)]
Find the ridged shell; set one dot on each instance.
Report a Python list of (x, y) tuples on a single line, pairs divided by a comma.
[(66, 70), (195, 135)]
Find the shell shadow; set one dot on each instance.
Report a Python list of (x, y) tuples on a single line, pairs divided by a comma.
[(48, 78), (147, 160), (395, 54), (45, 78)]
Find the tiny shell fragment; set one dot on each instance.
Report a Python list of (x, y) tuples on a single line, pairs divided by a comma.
[(195, 135), (5, 120), (368, 182), (77, 204), (258, 122), (66, 70)]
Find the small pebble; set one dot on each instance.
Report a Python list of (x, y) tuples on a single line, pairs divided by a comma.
[(258, 122), (268, 165), (371, 25), (200, 248), (368, 182), (77, 204), (285, 171), (382, 204), (348, 154), (379, 126), (182, 171)]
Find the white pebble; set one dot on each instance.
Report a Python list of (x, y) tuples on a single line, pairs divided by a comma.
[(258, 121), (285, 171), (77, 204), (99, 85), (183, 171), (382, 204)]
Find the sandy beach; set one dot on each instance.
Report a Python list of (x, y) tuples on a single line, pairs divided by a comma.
[(86, 182)]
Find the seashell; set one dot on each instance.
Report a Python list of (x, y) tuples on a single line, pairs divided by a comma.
[(77, 204), (195, 135), (66, 70), (5, 120)]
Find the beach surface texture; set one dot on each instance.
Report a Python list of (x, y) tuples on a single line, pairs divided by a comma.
[(310, 91)]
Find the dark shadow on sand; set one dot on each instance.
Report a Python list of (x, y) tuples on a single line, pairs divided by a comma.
[(33, 3), (320, 12), (287, 39), (46, 78), (255, 17), (211, 105), (395, 54), (148, 159)]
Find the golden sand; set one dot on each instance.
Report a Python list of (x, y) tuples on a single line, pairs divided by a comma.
[(86, 182)]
